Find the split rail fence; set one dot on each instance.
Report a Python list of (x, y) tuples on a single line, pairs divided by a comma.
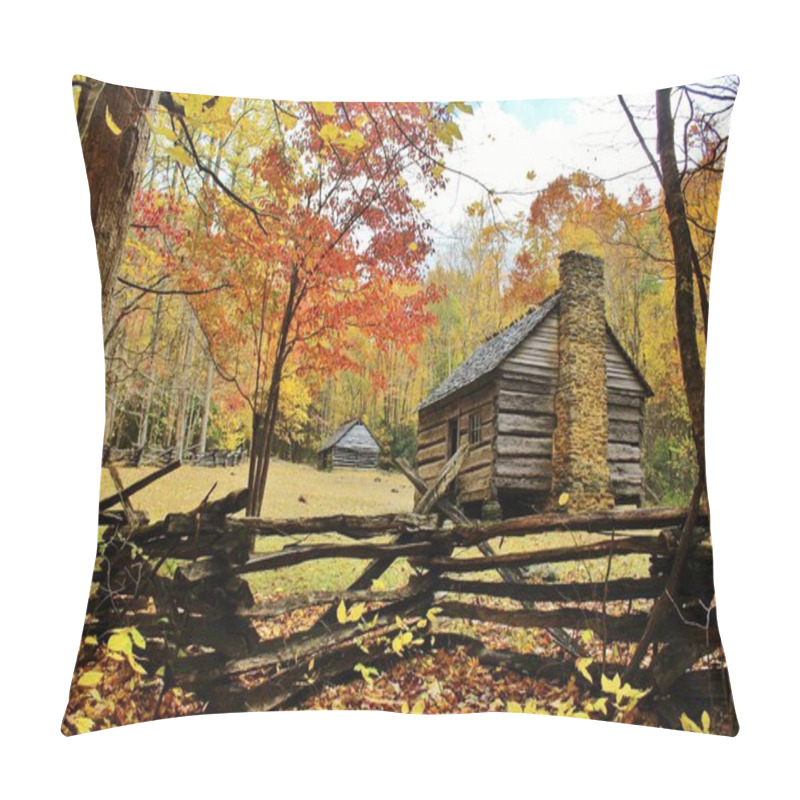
[(199, 620)]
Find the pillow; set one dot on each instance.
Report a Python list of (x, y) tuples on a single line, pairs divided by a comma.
[(404, 407)]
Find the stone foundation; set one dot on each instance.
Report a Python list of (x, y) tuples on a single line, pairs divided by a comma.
[(580, 439)]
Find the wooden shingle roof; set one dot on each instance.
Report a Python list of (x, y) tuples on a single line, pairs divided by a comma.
[(491, 353), (341, 432), (496, 349)]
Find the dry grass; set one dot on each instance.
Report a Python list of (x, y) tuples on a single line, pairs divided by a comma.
[(341, 491), (347, 491)]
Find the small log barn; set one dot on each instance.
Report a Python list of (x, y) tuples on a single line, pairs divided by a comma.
[(352, 445), (550, 405)]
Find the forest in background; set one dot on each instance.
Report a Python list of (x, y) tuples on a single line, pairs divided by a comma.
[(196, 327)]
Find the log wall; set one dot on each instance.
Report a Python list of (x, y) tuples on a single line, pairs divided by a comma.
[(517, 417), (474, 482)]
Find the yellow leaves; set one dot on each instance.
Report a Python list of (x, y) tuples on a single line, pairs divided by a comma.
[(447, 132), (582, 665), (289, 121), (563, 499), (90, 679), (167, 133), (433, 613), (112, 126), (137, 637), (181, 156), (90, 640), (378, 585), (600, 705), (327, 109), (218, 109), (83, 724), (356, 612), (530, 707), (328, 132), (413, 247), (418, 708), (566, 708), (367, 673), (401, 641), (622, 692), (209, 113), (350, 141), (353, 614), (120, 643), (691, 726), (204, 108)]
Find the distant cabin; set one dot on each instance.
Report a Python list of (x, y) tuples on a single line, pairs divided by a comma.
[(352, 445), (501, 400)]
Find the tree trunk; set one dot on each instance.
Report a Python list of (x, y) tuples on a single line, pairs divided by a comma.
[(264, 424), (114, 165), (206, 407), (144, 424), (183, 385), (683, 250)]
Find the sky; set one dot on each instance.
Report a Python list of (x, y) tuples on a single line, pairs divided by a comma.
[(503, 141)]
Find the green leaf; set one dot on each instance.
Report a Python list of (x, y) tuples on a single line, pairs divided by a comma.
[(138, 639)]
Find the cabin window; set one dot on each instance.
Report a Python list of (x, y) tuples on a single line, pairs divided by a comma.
[(475, 428)]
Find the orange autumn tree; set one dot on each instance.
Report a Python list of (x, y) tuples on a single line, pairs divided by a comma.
[(330, 240)]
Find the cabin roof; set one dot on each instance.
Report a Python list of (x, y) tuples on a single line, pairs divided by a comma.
[(342, 431), (497, 348)]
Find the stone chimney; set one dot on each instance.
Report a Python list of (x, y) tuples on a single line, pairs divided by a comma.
[(580, 439)]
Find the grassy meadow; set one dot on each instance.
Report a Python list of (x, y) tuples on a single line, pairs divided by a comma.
[(300, 490)]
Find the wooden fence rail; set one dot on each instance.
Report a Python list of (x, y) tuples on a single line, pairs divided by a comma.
[(202, 623), (199, 620)]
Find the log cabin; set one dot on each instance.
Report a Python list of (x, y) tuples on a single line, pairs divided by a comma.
[(552, 407), (351, 445)]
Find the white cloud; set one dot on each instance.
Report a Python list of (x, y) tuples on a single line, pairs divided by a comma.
[(499, 149)]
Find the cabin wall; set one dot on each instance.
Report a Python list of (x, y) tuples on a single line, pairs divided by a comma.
[(474, 482), (357, 448), (357, 459), (625, 427), (525, 415), (525, 405), (514, 461)]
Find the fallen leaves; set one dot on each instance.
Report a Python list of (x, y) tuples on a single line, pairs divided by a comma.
[(108, 691)]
